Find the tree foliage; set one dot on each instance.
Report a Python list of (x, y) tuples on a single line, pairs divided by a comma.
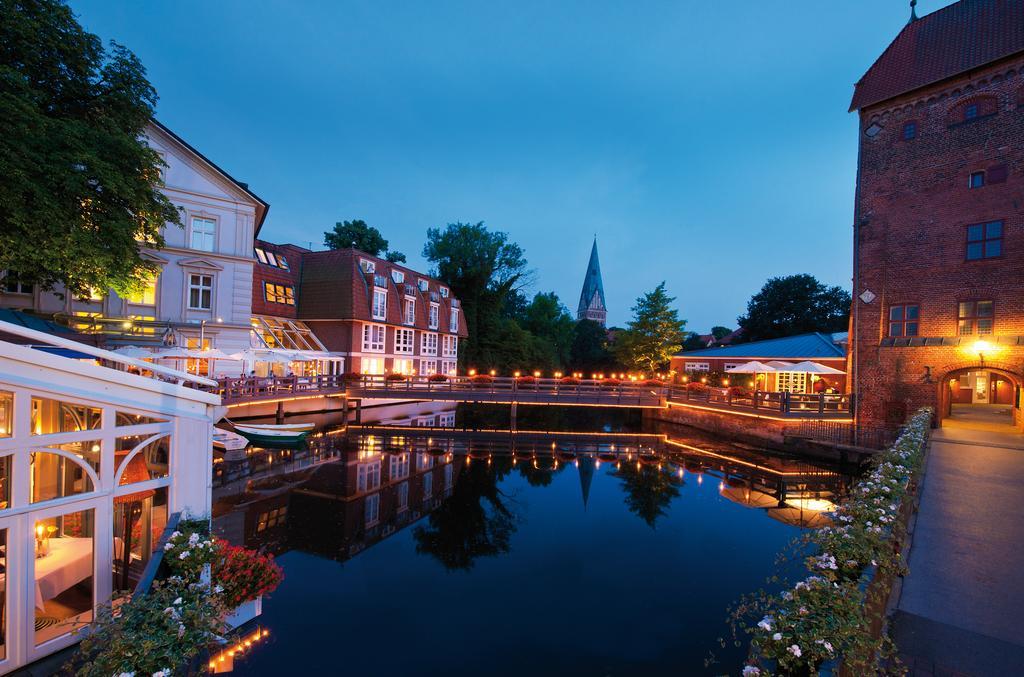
[(795, 304), (589, 351), (654, 334), (362, 236), (80, 184)]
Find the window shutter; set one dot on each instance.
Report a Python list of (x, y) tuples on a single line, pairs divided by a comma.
[(997, 173)]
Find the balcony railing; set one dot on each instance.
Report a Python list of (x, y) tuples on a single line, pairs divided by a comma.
[(790, 405)]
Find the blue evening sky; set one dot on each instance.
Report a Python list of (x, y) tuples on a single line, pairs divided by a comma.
[(707, 144)]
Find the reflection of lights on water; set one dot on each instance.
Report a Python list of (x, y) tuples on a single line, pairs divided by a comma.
[(700, 478), (813, 504), (721, 486)]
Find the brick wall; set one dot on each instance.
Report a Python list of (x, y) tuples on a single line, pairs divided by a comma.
[(913, 208)]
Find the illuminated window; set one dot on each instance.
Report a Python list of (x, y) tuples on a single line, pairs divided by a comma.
[(428, 343), (261, 255), (147, 295), (403, 366), (696, 366), (975, 317), (399, 467), (203, 231), (428, 367), (6, 412), (373, 338), (449, 346), (903, 320), (53, 416), (279, 293)]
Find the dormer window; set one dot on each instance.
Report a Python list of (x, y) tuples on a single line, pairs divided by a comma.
[(272, 260), (380, 281), (444, 292), (261, 255), (282, 261), (976, 180), (909, 131), (398, 276), (423, 285), (368, 266)]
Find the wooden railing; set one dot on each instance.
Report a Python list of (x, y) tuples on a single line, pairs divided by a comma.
[(789, 405)]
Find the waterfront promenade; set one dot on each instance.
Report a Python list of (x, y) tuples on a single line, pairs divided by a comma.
[(959, 609)]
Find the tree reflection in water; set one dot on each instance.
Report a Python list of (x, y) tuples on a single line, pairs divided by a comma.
[(649, 490)]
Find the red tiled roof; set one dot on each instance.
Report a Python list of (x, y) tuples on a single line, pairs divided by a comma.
[(953, 40)]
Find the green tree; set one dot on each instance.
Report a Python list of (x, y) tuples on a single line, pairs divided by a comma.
[(79, 191), (549, 320), (484, 270), (654, 334), (795, 304), (720, 332), (589, 351), (362, 236), (693, 341)]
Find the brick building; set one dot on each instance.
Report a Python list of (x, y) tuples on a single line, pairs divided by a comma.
[(938, 313), (381, 316)]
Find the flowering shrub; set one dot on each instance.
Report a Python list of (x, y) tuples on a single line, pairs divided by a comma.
[(739, 392), (526, 380), (696, 387), (610, 381), (188, 552), (244, 574), (395, 377), (824, 615), (569, 381), (654, 382), (482, 379), (437, 378)]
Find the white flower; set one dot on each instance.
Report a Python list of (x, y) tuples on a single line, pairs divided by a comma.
[(777, 636), (218, 589), (168, 546), (193, 538), (127, 674), (177, 601), (795, 650), (183, 555), (766, 623), (751, 671)]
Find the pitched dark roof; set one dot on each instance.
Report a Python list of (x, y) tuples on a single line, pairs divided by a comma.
[(592, 284), (953, 40), (804, 346)]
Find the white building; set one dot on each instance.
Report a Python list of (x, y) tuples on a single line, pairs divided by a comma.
[(93, 462), (205, 285)]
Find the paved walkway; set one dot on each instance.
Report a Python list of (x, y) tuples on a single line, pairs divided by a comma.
[(960, 609)]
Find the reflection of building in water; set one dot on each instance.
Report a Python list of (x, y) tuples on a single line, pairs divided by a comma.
[(339, 508)]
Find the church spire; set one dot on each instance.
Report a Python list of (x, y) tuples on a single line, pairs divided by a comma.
[(913, 11), (592, 305)]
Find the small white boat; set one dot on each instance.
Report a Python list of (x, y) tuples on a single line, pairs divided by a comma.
[(226, 440)]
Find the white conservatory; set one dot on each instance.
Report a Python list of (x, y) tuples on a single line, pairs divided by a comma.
[(93, 460)]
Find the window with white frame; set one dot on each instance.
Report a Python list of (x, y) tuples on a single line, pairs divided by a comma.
[(372, 509), (731, 365), (428, 343), (446, 420), (373, 338), (449, 346), (403, 496), (399, 468), (398, 276), (448, 367), (203, 233), (453, 321), (791, 381), (424, 461), (696, 366), (200, 291), (380, 304), (444, 292), (405, 341), (371, 365), (368, 476), (432, 320), (367, 266), (409, 310), (428, 367), (11, 284), (423, 285), (403, 365)]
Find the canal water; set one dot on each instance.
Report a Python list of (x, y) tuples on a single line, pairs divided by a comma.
[(422, 550)]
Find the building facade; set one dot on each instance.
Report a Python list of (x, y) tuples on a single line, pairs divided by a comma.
[(592, 305), (938, 310), (202, 296), (380, 317)]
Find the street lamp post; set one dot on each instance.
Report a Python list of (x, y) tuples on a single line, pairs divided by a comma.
[(202, 331)]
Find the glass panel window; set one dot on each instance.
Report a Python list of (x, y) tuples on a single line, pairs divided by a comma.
[(403, 495), (399, 467), (409, 311), (368, 476), (282, 262), (449, 346), (453, 321), (123, 418), (398, 276), (147, 296), (372, 365), (6, 413), (403, 366), (971, 112), (272, 259), (903, 320), (279, 293), (200, 291), (405, 341), (64, 591), (372, 509), (203, 230), (261, 255), (975, 317), (139, 519), (428, 344), (380, 304), (56, 476), (444, 292), (5, 484), (984, 240), (11, 284), (428, 367), (373, 338), (367, 266), (448, 367), (151, 463), (909, 131), (53, 416), (976, 180), (432, 320), (3, 598)]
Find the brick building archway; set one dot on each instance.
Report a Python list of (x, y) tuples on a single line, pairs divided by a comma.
[(950, 381)]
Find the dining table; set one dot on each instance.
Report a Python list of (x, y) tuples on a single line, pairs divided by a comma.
[(68, 563)]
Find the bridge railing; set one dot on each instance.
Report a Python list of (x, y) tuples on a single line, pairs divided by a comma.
[(793, 405)]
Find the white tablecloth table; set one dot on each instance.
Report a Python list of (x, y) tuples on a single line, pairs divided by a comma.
[(68, 563)]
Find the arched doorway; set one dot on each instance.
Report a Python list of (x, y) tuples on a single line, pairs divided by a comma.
[(980, 396)]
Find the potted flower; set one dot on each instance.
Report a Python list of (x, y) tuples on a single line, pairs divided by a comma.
[(654, 383), (525, 380), (395, 377), (244, 577), (482, 380), (437, 378), (610, 382), (569, 381), (696, 387)]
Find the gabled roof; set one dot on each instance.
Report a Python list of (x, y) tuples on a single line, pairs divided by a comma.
[(261, 206), (805, 346), (950, 41)]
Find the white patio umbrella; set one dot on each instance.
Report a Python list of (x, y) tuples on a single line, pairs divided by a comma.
[(780, 365), (753, 367), (179, 352), (135, 351), (809, 367), (273, 356)]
